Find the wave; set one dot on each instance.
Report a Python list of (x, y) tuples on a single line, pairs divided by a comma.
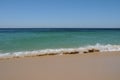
[(86, 49)]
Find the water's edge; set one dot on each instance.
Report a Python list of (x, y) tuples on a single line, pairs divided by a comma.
[(61, 51)]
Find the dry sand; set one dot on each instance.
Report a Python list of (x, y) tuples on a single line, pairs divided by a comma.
[(91, 66)]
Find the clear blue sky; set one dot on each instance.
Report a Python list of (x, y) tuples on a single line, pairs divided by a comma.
[(60, 13)]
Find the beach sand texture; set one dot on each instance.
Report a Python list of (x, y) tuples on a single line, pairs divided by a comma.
[(90, 66)]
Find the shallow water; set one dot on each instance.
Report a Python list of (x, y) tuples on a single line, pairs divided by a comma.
[(35, 39)]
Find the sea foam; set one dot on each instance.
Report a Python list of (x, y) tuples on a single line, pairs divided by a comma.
[(80, 50)]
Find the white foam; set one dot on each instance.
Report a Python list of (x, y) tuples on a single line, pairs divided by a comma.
[(101, 48), (107, 47)]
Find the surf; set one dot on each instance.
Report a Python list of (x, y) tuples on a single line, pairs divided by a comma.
[(80, 50)]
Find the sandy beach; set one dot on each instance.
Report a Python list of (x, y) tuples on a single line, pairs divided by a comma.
[(90, 66)]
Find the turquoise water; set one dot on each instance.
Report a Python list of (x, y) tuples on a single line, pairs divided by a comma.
[(16, 40)]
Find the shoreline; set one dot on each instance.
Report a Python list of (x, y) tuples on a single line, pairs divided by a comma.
[(88, 52), (61, 51)]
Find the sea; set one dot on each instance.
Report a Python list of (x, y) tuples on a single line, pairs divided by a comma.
[(32, 41)]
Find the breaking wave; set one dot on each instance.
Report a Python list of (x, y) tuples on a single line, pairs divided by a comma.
[(86, 49)]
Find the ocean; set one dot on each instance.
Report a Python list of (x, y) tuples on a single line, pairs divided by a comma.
[(24, 41)]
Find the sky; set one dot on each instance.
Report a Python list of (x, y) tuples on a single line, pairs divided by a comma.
[(59, 13)]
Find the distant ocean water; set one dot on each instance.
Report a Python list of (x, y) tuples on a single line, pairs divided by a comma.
[(17, 41)]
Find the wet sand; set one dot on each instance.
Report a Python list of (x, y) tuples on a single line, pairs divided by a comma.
[(90, 66)]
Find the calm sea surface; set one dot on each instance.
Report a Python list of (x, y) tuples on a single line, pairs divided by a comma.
[(28, 39)]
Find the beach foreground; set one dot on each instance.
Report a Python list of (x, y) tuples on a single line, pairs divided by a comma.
[(90, 66)]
